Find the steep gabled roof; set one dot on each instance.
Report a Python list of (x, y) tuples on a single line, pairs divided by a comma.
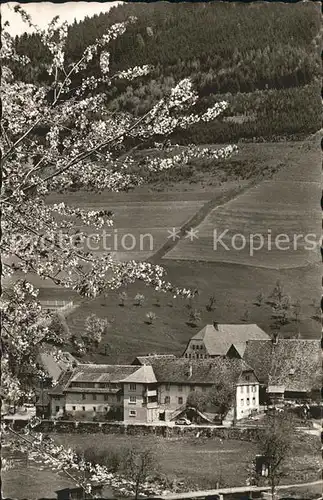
[(101, 373), (218, 340), (203, 371), (295, 364), (54, 365), (143, 375), (62, 382), (145, 360), (258, 354)]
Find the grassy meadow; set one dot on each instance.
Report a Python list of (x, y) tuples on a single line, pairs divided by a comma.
[(284, 201), (200, 463)]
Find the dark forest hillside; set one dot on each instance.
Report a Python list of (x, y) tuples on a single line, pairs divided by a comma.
[(264, 57)]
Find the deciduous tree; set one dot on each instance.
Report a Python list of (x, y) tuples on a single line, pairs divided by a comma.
[(151, 316), (276, 442), (94, 329), (55, 137), (197, 399), (139, 464), (222, 395)]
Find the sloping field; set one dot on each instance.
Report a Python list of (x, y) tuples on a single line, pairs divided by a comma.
[(282, 215), (141, 228), (140, 222)]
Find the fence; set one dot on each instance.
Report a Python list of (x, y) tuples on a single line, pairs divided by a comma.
[(61, 305), (90, 427)]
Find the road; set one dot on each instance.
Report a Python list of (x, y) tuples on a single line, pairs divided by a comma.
[(237, 489)]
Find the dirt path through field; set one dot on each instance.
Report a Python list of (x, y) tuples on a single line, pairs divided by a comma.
[(284, 202), (197, 218)]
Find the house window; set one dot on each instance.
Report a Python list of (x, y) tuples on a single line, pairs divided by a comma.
[(180, 400), (241, 402), (132, 413), (106, 408), (133, 387), (73, 408), (94, 397), (254, 388), (248, 401), (83, 396), (241, 388), (180, 388), (167, 400), (56, 408), (247, 377), (133, 400), (186, 355), (83, 408), (247, 388), (106, 397), (193, 346), (203, 389), (190, 355), (253, 401), (118, 398), (197, 356), (167, 387), (94, 408)]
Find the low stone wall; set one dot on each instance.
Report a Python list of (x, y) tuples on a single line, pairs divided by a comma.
[(82, 427)]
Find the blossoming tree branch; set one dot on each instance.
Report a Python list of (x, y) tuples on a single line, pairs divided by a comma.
[(54, 135)]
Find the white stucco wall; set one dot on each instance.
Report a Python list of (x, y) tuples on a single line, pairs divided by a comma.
[(247, 399)]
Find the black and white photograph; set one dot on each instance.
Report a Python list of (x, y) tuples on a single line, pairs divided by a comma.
[(161, 250)]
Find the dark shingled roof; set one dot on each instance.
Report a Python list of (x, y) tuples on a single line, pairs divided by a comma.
[(102, 373), (145, 360), (295, 364), (61, 384), (55, 365), (258, 354), (206, 371)]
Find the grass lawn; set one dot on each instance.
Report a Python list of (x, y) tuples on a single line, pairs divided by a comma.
[(235, 288), (197, 463), (200, 463), (235, 285)]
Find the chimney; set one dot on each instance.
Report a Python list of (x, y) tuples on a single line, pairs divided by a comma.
[(216, 325)]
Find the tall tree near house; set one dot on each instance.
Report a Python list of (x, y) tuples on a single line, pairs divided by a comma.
[(58, 136), (221, 396), (197, 399), (275, 444)]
